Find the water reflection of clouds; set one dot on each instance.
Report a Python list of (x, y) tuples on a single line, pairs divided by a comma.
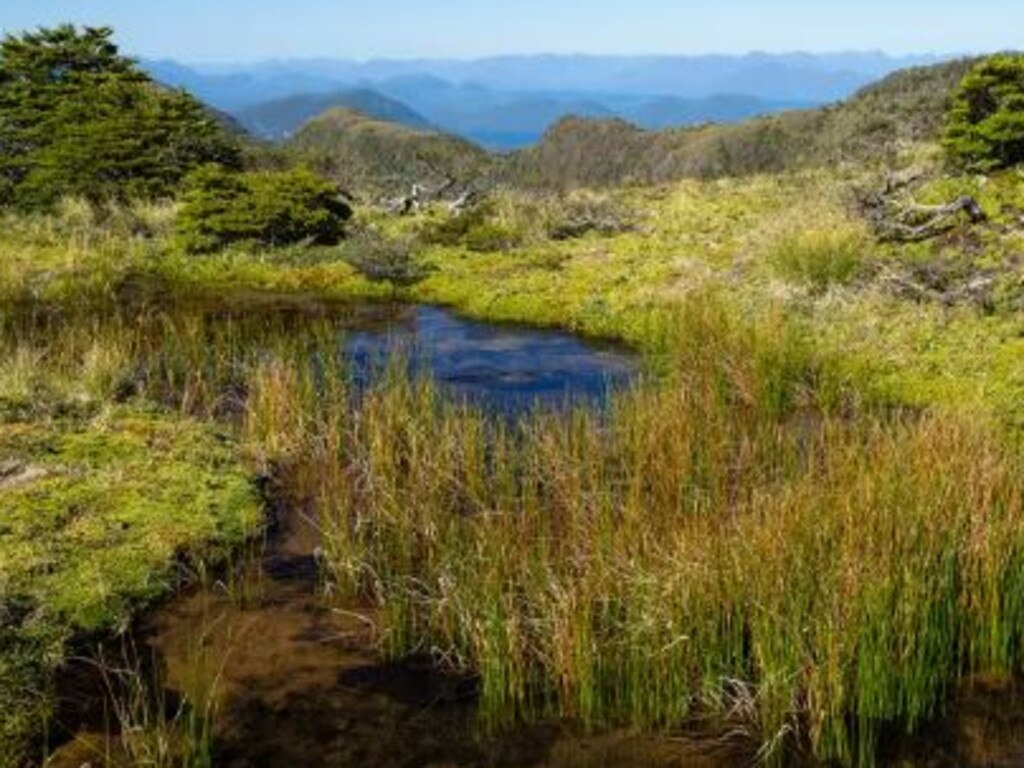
[(506, 368)]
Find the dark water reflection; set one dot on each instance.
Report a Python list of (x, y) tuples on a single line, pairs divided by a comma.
[(501, 367)]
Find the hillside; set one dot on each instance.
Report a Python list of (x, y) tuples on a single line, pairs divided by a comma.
[(376, 157), (903, 108), (280, 118), (382, 156)]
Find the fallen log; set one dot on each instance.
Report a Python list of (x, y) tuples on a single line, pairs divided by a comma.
[(912, 222)]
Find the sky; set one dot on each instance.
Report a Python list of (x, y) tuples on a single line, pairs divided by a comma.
[(248, 30)]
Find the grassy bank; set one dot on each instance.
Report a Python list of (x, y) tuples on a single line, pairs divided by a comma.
[(936, 323), (116, 488)]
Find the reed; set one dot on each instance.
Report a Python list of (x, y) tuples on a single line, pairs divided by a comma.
[(736, 537), (741, 536)]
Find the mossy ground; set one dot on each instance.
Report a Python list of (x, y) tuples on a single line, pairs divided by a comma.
[(99, 515)]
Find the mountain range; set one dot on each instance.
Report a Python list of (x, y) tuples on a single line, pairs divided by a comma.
[(509, 102), (377, 158)]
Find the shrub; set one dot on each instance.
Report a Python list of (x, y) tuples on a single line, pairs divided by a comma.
[(479, 229), (79, 120), (384, 259), (582, 213), (819, 258), (986, 123), (221, 207)]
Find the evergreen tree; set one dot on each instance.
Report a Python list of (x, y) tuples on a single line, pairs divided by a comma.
[(264, 208), (986, 123), (77, 118)]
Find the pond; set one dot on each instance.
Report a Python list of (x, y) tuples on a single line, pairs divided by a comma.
[(500, 367)]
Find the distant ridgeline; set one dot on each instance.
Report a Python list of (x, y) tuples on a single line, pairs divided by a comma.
[(379, 156)]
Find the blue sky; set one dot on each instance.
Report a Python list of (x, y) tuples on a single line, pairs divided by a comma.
[(227, 30)]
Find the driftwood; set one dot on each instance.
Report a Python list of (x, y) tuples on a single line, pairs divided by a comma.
[(463, 201), (897, 217), (419, 195), (905, 221), (914, 223)]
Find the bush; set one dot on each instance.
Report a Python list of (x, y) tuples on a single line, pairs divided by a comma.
[(986, 123), (221, 207), (384, 259), (79, 120), (582, 213), (479, 229), (818, 258)]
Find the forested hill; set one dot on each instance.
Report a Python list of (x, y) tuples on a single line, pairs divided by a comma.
[(377, 157), (905, 107)]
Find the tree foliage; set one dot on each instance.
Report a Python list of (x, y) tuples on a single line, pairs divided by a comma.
[(268, 208), (77, 118), (986, 122)]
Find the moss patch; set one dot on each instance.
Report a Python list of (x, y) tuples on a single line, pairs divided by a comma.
[(95, 516)]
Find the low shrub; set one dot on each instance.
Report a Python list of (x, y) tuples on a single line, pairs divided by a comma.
[(580, 214), (385, 259), (479, 229), (221, 208)]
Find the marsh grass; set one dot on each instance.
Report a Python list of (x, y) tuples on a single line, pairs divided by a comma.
[(735, 540), (150, 728), (741, 537), (820, 259)]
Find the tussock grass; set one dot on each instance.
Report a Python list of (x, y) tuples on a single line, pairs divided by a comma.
[(820, 259), (737, 540)]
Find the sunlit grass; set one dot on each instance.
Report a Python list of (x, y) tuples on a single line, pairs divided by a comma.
[(741, 537)]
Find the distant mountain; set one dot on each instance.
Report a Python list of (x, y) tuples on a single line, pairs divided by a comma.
[(235, 90), (512, 120), (280, 118), (376, 157), (497, 120), (508, 102), (773, 76)]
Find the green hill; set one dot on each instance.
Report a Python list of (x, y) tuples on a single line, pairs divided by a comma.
[(377, 157), (904, 108), (280, 118)]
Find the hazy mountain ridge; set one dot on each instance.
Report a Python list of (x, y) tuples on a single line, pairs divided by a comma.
[(508, 102), (809, 76)]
